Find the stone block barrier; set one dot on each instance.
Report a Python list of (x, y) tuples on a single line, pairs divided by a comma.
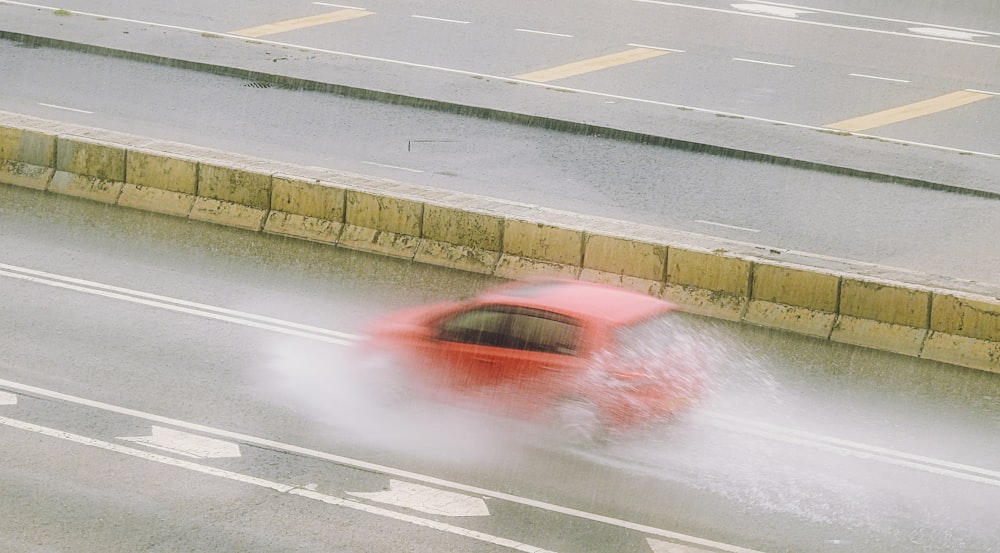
[(862, 305)]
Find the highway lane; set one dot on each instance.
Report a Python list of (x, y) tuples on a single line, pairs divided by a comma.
[(803, 445), (799, 65)]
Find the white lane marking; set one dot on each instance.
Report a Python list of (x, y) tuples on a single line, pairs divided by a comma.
[(821, 24), (183, 443), (439, 19), (877, 18), (655, 48), (392, 167), (878, 78), (425, 499), (373, 467), (983, 91), (173, 304), (54, 106), (770, 10), (857, 449), (945, 33), (726, 226), (763, 62), (8, 398), (276, 486), (665, 547), (548, 86), (339, 6), (544, 33)]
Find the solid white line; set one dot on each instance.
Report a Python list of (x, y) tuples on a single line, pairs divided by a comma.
[(276, 486), (821, 24), (338, 6), (548, 86), (878, 78), (440, 19), (177, 305), (372, 467), (543, 33), (725, 225), (64, 108), (888, 19), (656, 48), (763, 62), (392, 167)]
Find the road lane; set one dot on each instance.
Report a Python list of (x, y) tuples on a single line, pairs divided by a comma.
[(919, 431)]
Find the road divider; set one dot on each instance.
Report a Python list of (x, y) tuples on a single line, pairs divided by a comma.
[(868, 306)]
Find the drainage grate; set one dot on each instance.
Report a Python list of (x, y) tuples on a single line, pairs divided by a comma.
[(259, 84)]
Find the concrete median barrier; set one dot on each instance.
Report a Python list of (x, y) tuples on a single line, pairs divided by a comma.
[(505, 239)]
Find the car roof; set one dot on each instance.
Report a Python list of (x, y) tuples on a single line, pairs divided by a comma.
[(579, 299)]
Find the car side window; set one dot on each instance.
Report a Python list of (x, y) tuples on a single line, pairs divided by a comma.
[(478, 326), (513, 328)]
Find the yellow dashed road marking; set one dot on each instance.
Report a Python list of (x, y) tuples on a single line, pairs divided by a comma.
[(592, 64), (909, 111), (301, 23)]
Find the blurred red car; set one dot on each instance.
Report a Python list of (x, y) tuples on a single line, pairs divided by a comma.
[(581, 353)]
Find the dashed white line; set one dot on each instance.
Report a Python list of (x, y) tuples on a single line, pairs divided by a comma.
[(878, 78), (544, 33), (656, 48), (983, 91), (763, 62), (338, 6), (439, 19), (725, 225), (54, 106), (392, 167)]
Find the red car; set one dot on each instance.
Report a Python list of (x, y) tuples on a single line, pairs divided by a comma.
[(590, 356)]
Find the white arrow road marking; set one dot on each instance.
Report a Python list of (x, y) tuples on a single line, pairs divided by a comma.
[(770, 10), (277, 486), (189, 445), (944, 33), (428, 500), (7, 399), (666, 547)]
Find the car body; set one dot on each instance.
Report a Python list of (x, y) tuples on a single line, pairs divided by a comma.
[(530, 348)]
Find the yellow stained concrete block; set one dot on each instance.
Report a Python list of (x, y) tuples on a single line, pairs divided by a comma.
[(463, 258), (83, 186), (710, 303), (25, 174), (156, 199), (972, 316), (802, 320), (879, 335), (517, 267), (888, 302), (626, 257), (963, 351), (227, 213), (90, 158), (712, 271), (644, 285), (461, 227), (28, 146), (235, 184), (300, 226), (161, 171), (384, 213), (541, 242), (309, 198), (379, 241), (795, 286)]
